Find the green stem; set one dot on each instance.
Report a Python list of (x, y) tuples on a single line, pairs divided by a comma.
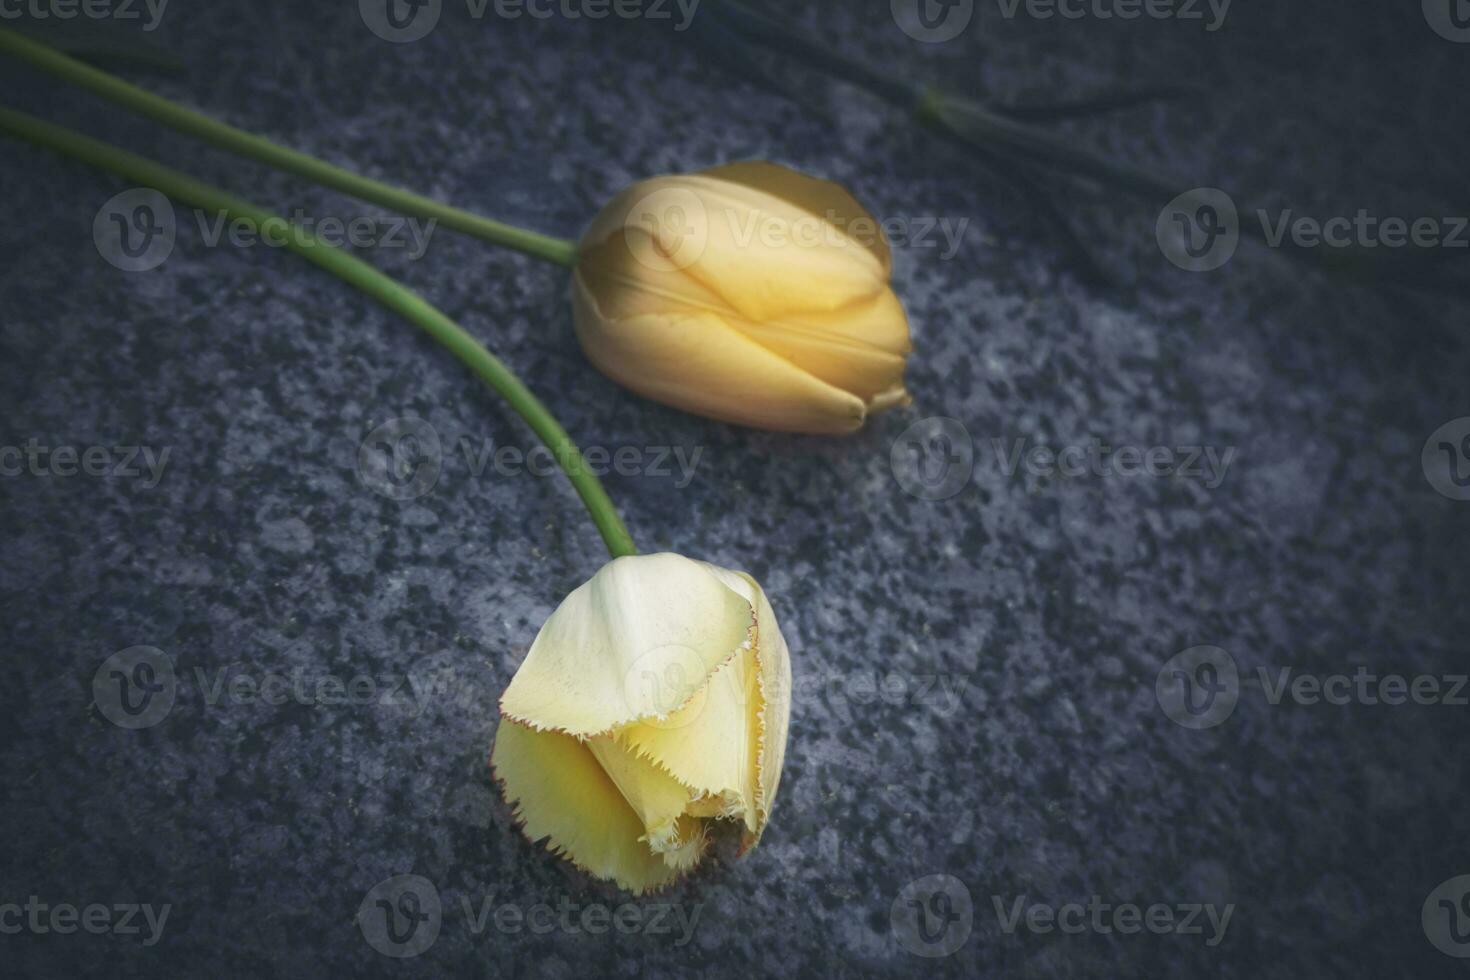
[(355, 272), (559, 250)]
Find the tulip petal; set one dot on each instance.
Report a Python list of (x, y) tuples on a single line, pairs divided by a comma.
[(731, 744), (852, 366), (859, 348), (878, 322), (634, 802), (709, 744), (699, 363), (774, 683), (766, 257), (637, 640), (825, 199), (688, 844), (762, 254), (773, 706), (559, 792), (657, 797)]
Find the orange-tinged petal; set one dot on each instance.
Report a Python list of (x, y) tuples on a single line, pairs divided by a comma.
[(824, 199), (853, 367), (699, 363), (767, 258), (791, 263), (762, 254), (858, 349), (877, 322)]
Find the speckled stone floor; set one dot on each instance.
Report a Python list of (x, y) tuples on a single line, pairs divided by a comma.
[(983, 679)]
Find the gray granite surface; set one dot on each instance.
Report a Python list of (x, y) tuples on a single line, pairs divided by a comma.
[(976, 674)]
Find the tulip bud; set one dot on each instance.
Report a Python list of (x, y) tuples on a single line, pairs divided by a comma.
[(748, 293), (653, 703)]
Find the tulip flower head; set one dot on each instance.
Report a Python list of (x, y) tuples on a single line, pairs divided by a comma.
[(748, 293), (654, 702)]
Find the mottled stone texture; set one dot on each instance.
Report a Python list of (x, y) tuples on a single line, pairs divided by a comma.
[(1046, 604)]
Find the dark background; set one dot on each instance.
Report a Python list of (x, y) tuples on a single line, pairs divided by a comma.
[(1050, 603)]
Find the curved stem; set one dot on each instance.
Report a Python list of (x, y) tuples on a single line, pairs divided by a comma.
[(156, 107), (355, 272)]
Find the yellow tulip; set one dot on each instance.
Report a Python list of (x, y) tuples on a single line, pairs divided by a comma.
[(748, 293), (653, 703)]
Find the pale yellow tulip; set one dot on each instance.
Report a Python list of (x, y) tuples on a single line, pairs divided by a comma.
[(653, 703), (748, 293)]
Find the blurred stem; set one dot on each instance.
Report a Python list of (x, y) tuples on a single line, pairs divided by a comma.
[(355, 272), (973, 124), (559, 250)]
